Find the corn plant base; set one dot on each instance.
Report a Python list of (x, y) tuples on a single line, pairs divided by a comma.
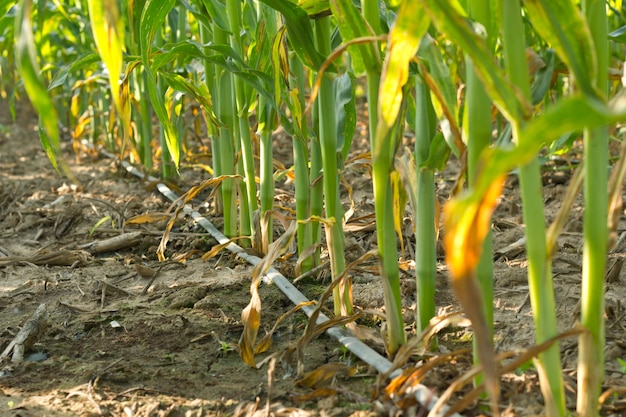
[(423, 394)]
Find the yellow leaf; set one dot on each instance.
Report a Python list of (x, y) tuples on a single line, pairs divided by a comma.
[(468, 220)]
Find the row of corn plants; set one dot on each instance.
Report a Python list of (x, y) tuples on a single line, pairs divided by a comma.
[(234, 71)]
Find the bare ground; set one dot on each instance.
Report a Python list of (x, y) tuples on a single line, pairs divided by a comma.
[(127, 336)]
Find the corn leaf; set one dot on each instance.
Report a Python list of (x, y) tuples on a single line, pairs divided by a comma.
[(108, 34), (7, 16), (618, 35), (217, 13), (571, 114), (26, 60), (280, 62), (187, 50), (458, 29), (152, 18), (352, 25), (400, 199), (300, 32), (440, 73), (276, 249), (81, 63), (345, 109), (562, 24), (438, 154), (198, 92), (5, 6), (266, 342), (543, 78), (466, 229), (324, 375), (315, 8), (251, 319), (147, 218), (411, 24)]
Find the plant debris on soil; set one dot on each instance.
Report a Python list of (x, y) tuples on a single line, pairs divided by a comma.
[(94, 324)]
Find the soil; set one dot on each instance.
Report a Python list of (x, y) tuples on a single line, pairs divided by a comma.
[(125, 335)]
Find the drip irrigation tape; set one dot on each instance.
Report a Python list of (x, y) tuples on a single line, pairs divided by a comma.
[(424, 396)]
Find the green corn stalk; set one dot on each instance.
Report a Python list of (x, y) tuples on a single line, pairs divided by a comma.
[(301, 37), (210, 79), (539, 266), (342, 294), (165, 129), (224, 143), (143, 119), (316, 200), (595, 232), (267, 117), (431, 154), (209, 73), (410, 25), (382, 166), (301, 168), (248, 196), (153, 15), (142, 116), (477, 129), (425, 233)]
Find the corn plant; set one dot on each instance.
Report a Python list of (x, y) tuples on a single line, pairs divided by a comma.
[(468, 215), (236, 59)]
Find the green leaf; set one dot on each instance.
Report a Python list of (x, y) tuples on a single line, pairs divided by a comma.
[(199, 93), (81, 63), (217, 13), (152, 18), (187, 50), (300, 32), (459, 30), (543, 78), (26, 60), (5, 6), (7, 20), (438, 154), (280, 63), (563, 144), (562, 24), (345, 109), (571, 114), (439, 71), (352, 25), (315, 8), (618, 35)]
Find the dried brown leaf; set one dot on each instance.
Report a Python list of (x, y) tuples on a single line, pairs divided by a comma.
[(266, 342), (180, 205), (315, 395), (147, 218), (219, 247), (251, 319), (324, 375), (275, 250), (312, 329)]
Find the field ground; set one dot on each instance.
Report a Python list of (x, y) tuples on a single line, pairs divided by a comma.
[(127, 337)]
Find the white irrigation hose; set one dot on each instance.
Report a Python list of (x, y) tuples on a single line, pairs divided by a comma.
[(424, 396)]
